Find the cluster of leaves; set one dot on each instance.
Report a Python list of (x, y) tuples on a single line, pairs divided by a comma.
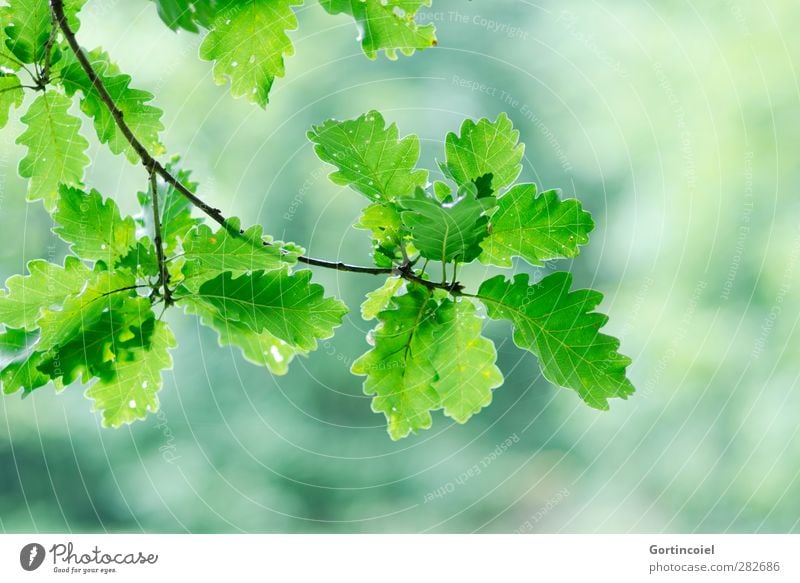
[(93, 318), (428, 350), (96, 317), (248, 39)]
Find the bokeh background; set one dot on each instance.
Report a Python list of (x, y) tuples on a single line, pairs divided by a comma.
[(675, 122)]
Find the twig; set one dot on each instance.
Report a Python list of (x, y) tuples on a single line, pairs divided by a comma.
[(122, 289), (44, 78), (4, 89), (163, 273)]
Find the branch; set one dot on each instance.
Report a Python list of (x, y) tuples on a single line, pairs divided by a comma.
[(154, 167)]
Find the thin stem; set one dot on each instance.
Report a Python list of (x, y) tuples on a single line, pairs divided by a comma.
[(48, 49), (153, 166), (163, 273), (406, 260), (425, 266), (4, 89), (122, 289)]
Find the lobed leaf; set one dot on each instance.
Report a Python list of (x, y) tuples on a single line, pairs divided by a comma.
[(92, 349), (428, 354), (536, 228), (28, 26), (46, 285), (450, 231), (94, 228), (399, 371), (259, 348), (187, 14), (248, 42), (136, 377), (70, 348), (387, 25), (209, 254), (378, 300), (485, 147), (80, 311), (56, 149), (464, 361), (562, 329), (19, 362), (370, 157), (143, 119), (386, 225), (141, 260), (11, 95), (286, 305), (8, 61)]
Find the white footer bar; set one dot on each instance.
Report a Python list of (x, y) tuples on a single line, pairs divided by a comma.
[(400, 558)]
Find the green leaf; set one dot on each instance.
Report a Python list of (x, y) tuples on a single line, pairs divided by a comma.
[(442, 192), (141, 259), (94, 228), (19, 362), (47, 285), (447, 231), (143, 119), (175, 209), (91, 349), (11, 95), (56, 149), (262, 348), (80, 311), (536, 228), (28, 28), (386, 25), (7, 60), (378, 300), (370, 157), (208, 253), (136, 377), (399, 370), (28, 24), (248, 41), (73, 349), (485, 148), (187, 14), (286, 305), (464, 361), (386, 225), (562, 330)]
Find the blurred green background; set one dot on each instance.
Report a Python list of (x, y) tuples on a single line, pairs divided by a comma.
[(674, 122)]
